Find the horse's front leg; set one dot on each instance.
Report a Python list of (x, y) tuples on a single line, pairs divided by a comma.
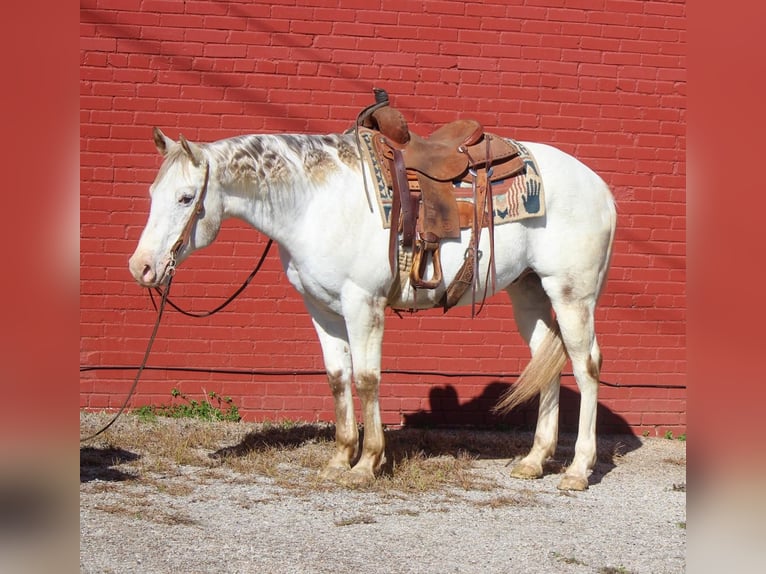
[(333, 338), (365, 318)]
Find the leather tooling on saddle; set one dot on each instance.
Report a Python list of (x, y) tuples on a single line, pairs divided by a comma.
[(428, 189)]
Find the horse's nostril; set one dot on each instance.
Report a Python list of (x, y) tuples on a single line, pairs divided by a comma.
[(147, 274), (142, 269)]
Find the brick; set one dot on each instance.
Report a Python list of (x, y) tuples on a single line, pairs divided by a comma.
[(96, 44), (224, 51), (571, 75)]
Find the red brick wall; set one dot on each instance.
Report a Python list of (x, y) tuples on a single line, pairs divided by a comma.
[(602, 79)]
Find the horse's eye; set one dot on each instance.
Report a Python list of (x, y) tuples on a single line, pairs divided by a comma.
[(186, 199)]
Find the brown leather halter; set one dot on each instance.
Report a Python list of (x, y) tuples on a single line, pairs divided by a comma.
[(186, 232)]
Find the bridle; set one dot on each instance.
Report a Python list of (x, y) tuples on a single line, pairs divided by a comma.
[(182, 240), (170, 269)]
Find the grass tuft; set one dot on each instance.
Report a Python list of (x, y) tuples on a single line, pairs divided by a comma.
[(213, 408)]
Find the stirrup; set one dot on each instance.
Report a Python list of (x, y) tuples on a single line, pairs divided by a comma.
[(421, 249)]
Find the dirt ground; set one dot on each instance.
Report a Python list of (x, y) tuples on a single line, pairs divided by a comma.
[(189, 496)]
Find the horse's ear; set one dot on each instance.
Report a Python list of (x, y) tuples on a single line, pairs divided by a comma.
[(162, 141), (192, 150)]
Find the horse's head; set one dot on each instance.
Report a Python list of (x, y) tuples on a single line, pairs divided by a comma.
[(185, 214)]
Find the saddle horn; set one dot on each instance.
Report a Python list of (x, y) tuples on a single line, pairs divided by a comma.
[(381, 117)]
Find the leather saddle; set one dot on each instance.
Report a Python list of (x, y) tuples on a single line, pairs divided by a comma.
[(422, 173)]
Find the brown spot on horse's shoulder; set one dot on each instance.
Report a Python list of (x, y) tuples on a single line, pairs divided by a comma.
[(316, 157), (319, 163), (347, 153)]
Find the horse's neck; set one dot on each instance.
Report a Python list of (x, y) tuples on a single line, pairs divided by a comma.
[(270, 181)]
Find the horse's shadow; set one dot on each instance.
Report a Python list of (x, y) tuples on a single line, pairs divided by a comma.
[(280, 436), (451, 428), (615, 437), (100, 463)]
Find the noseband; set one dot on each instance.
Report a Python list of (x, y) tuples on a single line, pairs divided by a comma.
[(186, 233)]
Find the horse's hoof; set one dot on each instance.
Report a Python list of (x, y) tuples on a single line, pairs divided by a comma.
[(357, 477), (573, 483), (333, 473), (526, 471)]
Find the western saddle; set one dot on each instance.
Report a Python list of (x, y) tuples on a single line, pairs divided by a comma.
[(422, 174)]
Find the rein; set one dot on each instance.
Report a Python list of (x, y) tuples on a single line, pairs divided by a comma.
[(170, 271), (227, 301), (140, 368)]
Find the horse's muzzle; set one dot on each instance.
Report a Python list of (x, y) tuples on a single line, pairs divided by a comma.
[(144, 270)]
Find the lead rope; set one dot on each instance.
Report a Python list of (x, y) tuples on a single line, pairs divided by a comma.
[(165, 299), (165, 294), (225, 303)]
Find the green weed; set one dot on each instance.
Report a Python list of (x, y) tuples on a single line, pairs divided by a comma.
[(213, 408)]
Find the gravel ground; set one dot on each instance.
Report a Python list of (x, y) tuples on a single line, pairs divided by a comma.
[(187, 519)]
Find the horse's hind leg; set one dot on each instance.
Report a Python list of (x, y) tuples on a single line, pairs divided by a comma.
[(532, 311), (576, 321)]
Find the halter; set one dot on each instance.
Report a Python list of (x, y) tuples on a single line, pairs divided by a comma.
[(186, 233)]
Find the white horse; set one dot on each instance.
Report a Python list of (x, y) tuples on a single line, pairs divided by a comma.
[(308, 194)]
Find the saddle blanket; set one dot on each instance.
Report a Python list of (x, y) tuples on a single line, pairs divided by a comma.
[(518, 197)]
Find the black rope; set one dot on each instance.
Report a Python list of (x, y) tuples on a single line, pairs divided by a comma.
[(165, 299), (141, 367), (230, 298)]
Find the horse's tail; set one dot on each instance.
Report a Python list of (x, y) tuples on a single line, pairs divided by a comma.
[(547, 362)]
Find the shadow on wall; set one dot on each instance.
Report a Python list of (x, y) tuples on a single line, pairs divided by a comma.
[(447, 411)]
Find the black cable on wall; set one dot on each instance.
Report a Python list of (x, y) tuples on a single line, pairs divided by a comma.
[(317, 372)]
